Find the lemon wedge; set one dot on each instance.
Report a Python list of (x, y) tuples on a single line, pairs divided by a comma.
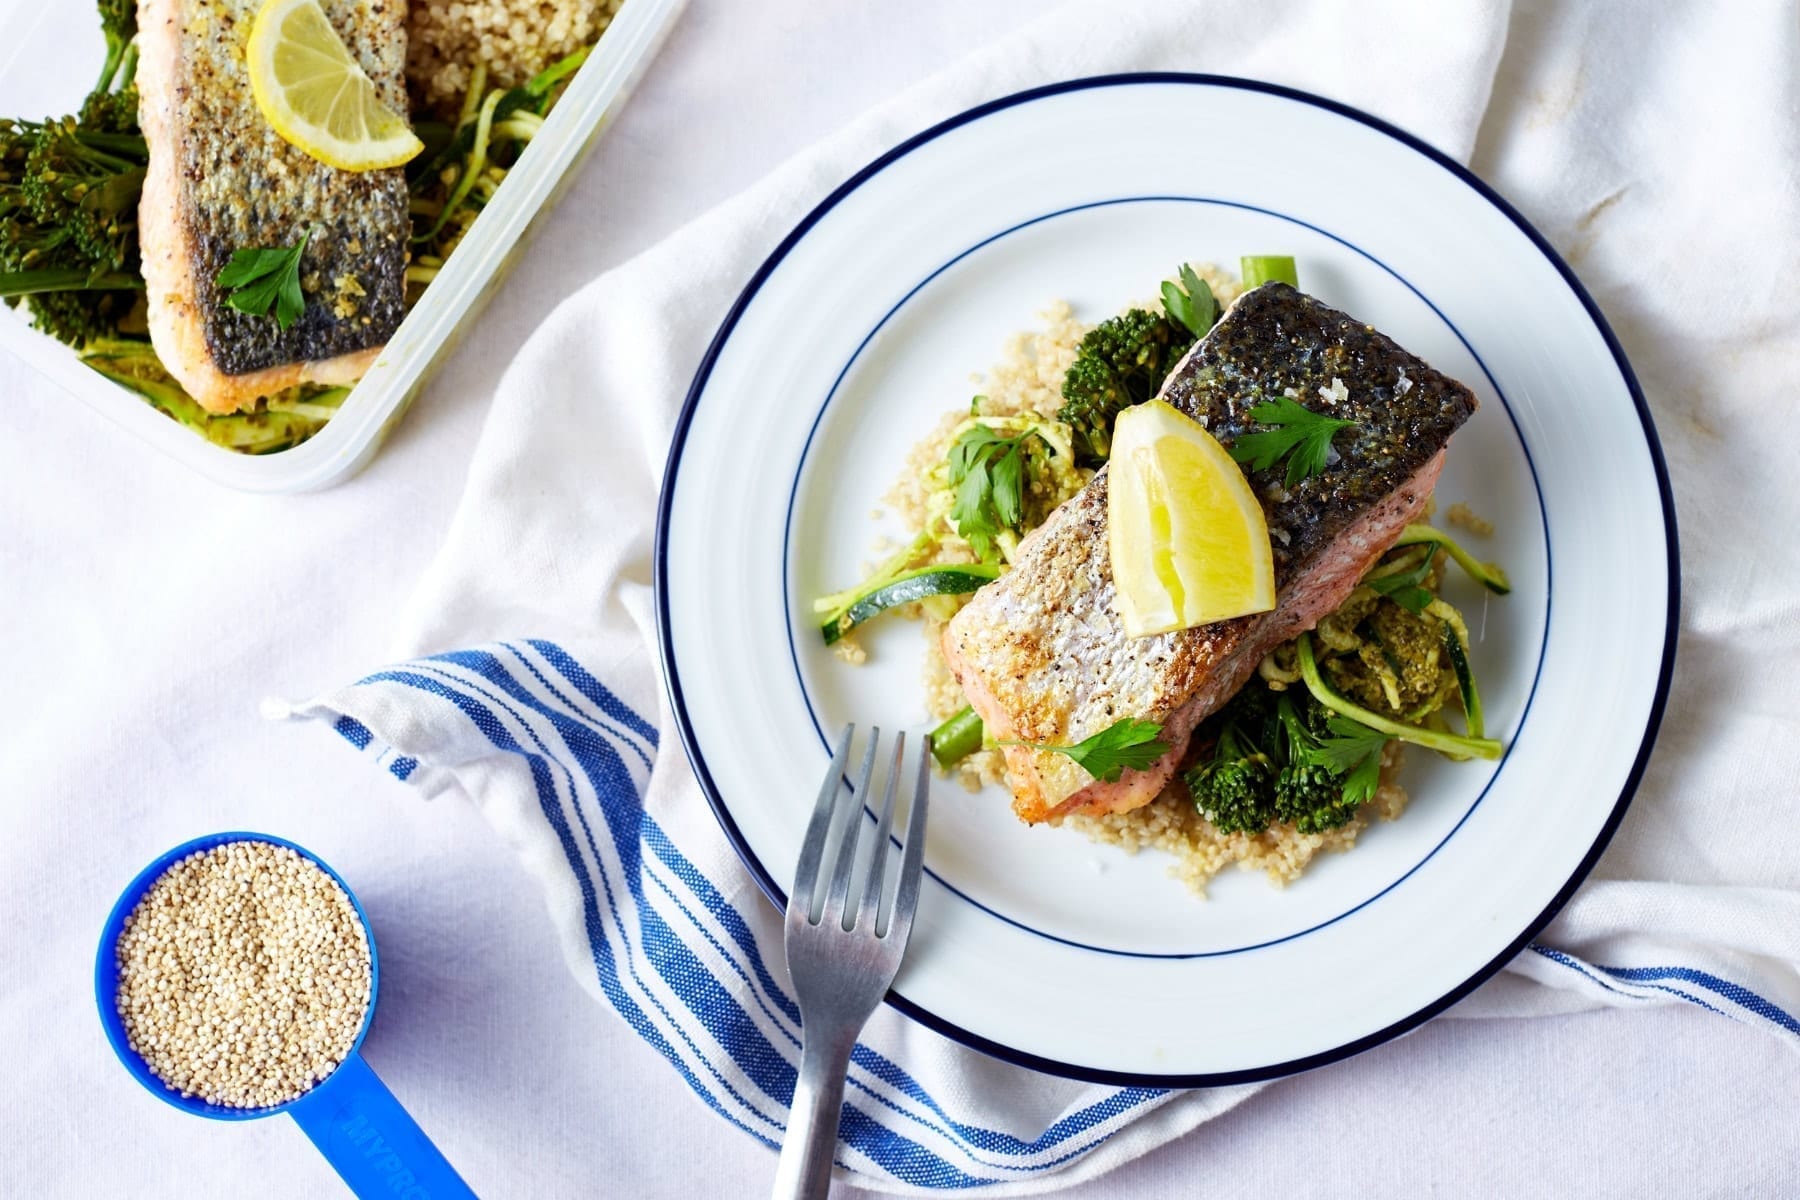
[(316, 95), (1188, 541)]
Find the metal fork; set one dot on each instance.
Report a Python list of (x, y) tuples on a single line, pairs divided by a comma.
[(842, 961)]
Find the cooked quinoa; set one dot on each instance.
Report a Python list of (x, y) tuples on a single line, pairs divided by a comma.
[(1172, 824), (1028, 381), (514, 39), (1460, 514)]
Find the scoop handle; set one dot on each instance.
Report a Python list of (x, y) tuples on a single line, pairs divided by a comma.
[(371, 1141)]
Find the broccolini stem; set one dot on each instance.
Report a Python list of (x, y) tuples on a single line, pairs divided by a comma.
[(1431, 739), (131, 145), (115, 55), (1258, 269), (1488, 575), (30, 283), (956, 738)]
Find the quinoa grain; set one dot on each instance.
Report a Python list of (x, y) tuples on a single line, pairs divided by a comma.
[(244, 975), (515, 39)]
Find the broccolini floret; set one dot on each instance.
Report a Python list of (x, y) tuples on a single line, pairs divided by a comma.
[(1235, 789), (1122, 361), (1234, 786), (1279, 759), (68, 202), (1309, 795), (1310, 798), (111, 112)]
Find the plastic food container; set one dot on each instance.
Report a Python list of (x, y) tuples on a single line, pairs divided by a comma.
[(47, 53)]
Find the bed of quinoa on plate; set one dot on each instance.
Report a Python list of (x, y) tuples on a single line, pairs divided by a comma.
[(1028, 379), (515, 39)]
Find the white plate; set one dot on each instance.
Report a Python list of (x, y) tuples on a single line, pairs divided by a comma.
[(1035, 944)]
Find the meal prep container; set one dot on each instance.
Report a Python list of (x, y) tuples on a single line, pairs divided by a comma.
[(48, 53), (357, 1124)]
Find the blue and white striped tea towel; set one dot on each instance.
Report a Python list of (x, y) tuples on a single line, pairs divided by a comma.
[(560, 734)]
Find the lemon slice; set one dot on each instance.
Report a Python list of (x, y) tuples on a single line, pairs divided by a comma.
[(309, 87), (1188, 540)]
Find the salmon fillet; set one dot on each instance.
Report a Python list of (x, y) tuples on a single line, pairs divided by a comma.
[(221, 180), (1041, 652)]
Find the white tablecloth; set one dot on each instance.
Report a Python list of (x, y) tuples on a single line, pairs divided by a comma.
[(144, 614)]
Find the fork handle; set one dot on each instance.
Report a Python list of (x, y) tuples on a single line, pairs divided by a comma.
[(807, 1149)]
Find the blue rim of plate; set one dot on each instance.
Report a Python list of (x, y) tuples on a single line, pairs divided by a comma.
[(1653, 445)]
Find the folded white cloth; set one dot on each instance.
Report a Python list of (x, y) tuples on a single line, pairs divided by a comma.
[(1655, 187)]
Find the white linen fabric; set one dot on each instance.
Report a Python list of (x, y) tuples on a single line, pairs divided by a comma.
[(560, 734)]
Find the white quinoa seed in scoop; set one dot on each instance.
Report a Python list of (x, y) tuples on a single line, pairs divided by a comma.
[(244, 975)]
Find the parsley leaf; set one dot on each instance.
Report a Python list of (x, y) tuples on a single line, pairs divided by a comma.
[(1195, 308), (1303, 436), (1407, 588), (1125, 744), (265, 278), (1354, 751), (988, 472), (1008, 473)]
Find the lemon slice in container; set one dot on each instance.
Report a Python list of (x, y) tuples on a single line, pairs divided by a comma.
[(1188, 540), (310, 87)]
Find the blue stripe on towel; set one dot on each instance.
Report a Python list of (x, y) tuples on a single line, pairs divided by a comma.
[(1737, 993), (578, 739), (729, 917), (605, 772), (506, 691), (886, 1071), (354, 731), (593, 689), (549, 800), (1590, 973)]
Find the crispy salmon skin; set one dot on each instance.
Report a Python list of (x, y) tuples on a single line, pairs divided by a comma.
[(1041, 653), (221, 180)]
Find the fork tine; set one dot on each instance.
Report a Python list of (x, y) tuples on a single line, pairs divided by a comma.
[(906, 899), (846, 854), (870, 907), (806, 874)]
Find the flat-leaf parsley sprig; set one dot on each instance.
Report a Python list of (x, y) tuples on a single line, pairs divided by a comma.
[(1353, 751), (263, 278), (1301, 435), (1190, 302), (1129, 744), (987, 469)]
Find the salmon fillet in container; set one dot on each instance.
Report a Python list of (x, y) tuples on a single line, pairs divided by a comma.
[(48, 54)]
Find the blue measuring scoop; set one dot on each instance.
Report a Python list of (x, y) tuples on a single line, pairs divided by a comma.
[(350, 1115)]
